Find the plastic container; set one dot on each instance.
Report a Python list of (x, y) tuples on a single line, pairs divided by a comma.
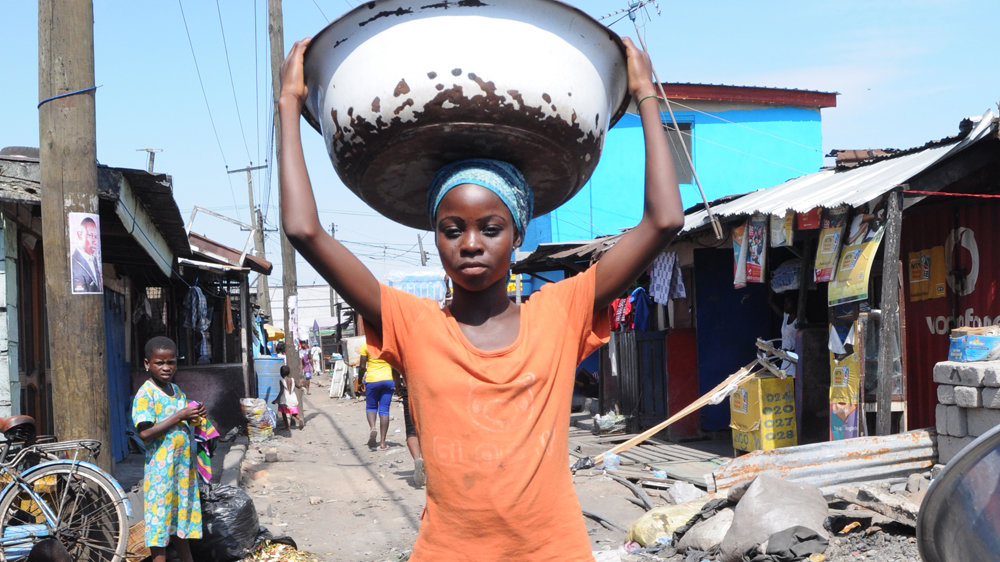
[(268, 370)]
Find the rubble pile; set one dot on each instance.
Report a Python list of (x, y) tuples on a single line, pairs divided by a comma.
[(771, 519)]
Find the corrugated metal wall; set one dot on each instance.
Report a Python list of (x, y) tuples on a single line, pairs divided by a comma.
[(642, 377), (968, 228)]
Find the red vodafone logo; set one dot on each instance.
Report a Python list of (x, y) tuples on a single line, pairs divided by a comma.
[(961, 256)]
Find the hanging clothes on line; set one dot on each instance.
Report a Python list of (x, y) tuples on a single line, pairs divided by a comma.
[(665, 278), (621, 314), (640, 309)]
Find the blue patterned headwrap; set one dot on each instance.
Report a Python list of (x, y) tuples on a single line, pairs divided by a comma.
[(501, 178)]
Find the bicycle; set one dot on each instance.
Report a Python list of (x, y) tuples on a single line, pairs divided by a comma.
[(51, 490)]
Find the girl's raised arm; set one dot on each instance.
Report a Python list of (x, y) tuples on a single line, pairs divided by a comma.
[(663, 212), (299, 218)]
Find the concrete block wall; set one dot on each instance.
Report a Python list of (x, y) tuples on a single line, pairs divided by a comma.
[(968, 403)]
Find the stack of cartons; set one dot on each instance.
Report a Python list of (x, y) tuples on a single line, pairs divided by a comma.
[(968, 403)]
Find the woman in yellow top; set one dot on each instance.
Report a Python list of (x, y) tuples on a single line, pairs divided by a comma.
[(379, 388)]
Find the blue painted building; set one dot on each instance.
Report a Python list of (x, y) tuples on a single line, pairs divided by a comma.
[(739, 138)]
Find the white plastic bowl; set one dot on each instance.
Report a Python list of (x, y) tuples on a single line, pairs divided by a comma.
[(400, 88)]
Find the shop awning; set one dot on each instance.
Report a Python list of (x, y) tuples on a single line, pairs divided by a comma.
[(274, 333), (854, 187)]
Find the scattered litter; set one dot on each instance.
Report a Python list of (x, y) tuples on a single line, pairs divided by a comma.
[(707, 535), (607, 556), (260, 419), (279, 552), (661, 522), (771, 505), (893, 506), (850, 527), (683, 492), (609, 423), (612, 461), (789, 545)]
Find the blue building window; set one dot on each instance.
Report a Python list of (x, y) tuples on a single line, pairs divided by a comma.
[(681, 152)]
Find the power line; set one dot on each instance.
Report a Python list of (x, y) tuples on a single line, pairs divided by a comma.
[(204, 95), (232, 84), (321, 11), (269, 126), (747, 127), (257, 86)]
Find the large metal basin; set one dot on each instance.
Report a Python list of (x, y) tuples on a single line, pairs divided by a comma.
[(398, 88), (959, 518)]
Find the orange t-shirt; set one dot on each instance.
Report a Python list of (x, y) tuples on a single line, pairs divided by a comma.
[(494, 425)]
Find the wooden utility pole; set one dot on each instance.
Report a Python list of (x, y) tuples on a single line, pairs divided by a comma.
[(289, 280), (67, 132), (334, 299), (889, 328), (263, 296), (423, 254)]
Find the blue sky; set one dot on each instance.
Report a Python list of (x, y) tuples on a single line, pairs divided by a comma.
[(907, 72)]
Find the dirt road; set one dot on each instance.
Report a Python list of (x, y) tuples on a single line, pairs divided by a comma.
[(341, 501)]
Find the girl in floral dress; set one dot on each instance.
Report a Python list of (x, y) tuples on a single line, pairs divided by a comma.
[(164, 421)]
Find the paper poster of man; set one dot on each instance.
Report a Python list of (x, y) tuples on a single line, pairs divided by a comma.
[(85, 258)]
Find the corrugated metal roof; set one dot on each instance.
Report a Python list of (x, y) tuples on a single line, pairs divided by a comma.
[(833, 463), (205, 248), (832, 188), (20, 182)]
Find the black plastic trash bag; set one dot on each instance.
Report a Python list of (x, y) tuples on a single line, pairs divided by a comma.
[(229, 525)]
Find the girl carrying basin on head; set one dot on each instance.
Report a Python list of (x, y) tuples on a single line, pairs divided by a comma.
[(490, 381)]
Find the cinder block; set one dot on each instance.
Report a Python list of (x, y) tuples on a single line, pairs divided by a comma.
[(946, 393), (967, 397), (958, 425), (946, 372), (972, 374), (991, 398), (941, 419), (991, 374), (981, 420), (949, 446)]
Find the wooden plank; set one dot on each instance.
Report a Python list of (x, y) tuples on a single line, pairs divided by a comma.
[(733, 380)]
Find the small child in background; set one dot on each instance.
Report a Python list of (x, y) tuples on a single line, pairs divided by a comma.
[(164, 421), (288, 400), (307, 373)]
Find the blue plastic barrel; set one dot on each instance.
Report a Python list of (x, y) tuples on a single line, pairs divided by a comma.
[(268, 371)]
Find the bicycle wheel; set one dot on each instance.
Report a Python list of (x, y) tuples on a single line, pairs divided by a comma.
[(90, 516)]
